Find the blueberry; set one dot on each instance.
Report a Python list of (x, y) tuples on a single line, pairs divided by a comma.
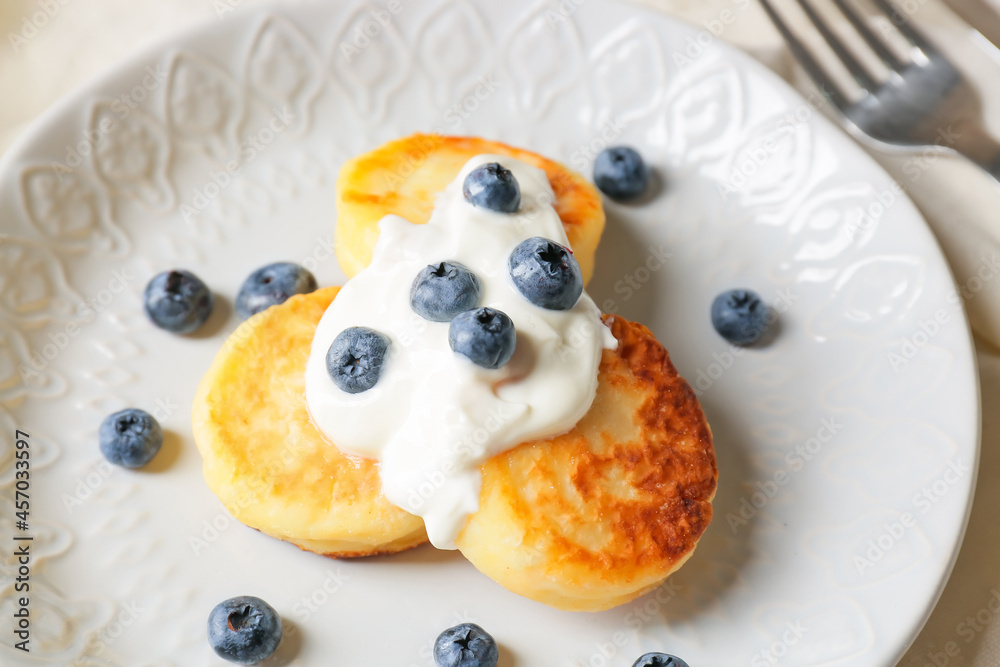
[(484, 335), (270, 285), (355, 359), (546, 274), (465, 645), (130, 437), (620, 173), (493, 187), (659, 660), (441, 291), (244, 629), (178, 301), (740, 316)]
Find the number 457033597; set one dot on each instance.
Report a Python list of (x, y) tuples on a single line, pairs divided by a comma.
[(22, 466)]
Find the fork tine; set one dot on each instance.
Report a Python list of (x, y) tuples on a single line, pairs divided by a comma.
[(853, 65), (902, 24), (876, 43), (819, 76)]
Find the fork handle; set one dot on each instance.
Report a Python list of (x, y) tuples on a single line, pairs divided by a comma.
[(974, 142)]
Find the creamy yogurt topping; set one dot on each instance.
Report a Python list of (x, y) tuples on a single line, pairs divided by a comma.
[(434, 416)]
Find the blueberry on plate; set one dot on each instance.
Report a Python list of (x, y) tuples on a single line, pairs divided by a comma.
[(272, 284), (244, 629), (740, 316), (465, 645), (485, 335), (130, 437), (441, 291), (659, 660), (546, 274), (355, 359), (178, 301), (494, 187), (621, 173)]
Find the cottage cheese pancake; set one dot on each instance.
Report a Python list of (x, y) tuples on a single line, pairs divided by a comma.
[(598, 516), (264, 458)]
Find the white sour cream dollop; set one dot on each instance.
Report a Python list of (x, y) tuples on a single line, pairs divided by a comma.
[(434, 417)]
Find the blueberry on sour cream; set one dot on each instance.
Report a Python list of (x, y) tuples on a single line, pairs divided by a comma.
[(494, 187), (441, 291), (485, 335), (355, 359), (546, 274)]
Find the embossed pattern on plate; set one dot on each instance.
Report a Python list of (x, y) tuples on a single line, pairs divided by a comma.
[(847, 445)]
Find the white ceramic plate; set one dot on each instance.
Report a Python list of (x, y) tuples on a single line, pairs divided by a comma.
[(847, 447)]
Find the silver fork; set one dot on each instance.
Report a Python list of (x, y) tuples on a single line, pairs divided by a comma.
[(925, 101)]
